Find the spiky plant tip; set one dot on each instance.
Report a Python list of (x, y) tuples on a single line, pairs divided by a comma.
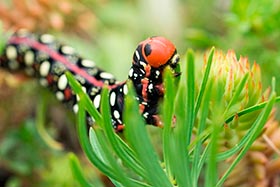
[(241, 82)]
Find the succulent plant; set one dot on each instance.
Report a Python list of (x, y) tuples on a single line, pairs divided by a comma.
[(242, 88)]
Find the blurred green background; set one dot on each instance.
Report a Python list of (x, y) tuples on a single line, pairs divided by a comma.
[(108, 32)]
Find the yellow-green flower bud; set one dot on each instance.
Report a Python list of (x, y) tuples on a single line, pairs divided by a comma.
[(241, 85)]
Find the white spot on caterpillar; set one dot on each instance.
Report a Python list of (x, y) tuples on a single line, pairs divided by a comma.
[(93, 91), (112, 98), (96, 101), (47, 38), (13, 65), (142, 63), (29, 71), (116, 114), (125, 90), (130, 72), (67, 50), (106, 82), (59, 95), (157, 73), (29, 58), (62, 82), (88, 63), (150, 87), (105, 75), (144, 103), (137, 55), (90, 121), (119, 121), (11, 52), (43, 82), (80, 79), (84, 90), (142, 71), (75, 108), (145, 115), (45, 68), (92, 71)]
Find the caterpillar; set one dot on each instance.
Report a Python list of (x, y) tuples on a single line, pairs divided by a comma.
[(45, 58)]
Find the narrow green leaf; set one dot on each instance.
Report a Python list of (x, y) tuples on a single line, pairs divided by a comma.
[(82, 95), (86, 146), (96, 145), (168, 112), (190, 113), (138, 138), (135, 184), (102, 156), (117, 168), (250, 109), (197, 159), (237, 93), (40, 124), (204, 80), (3, 38), (120, 148), (180, 159), (186, 121), (77, 171), (217, 120), (182, 132)]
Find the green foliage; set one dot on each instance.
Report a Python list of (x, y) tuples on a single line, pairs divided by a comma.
[(77, 171), (134, 162), (25, 154), (2, 38), (257, 32), (15, 149), (249, 27)]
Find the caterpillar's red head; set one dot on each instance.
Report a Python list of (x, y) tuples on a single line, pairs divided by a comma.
[(157, 51)]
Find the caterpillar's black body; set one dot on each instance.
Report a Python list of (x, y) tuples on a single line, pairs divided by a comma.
[(43, 57)]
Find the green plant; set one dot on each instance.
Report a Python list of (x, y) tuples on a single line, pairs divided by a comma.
[(188, 160)]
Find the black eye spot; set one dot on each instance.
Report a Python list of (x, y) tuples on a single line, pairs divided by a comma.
[(147, 49)]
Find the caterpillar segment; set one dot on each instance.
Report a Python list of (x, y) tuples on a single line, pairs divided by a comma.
[(43, 57)]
